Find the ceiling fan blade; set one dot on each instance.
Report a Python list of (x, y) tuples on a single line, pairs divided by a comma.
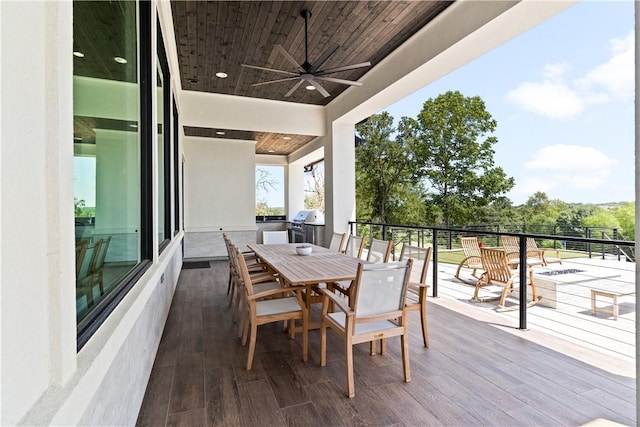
[(275, 81), (269, 69), (345, 68), (342, 81), (293, 89), (318, 86), (289, 57), (323, 58)]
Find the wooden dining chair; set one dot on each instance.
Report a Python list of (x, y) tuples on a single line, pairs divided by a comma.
[(338, 242), (378, 312), (379, 250), (275, 237), (264, 306), (257, 269), (262, 280), (417, 288), (354, 247)]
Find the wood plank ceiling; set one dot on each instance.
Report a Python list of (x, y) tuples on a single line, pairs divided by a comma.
[(219, 36)]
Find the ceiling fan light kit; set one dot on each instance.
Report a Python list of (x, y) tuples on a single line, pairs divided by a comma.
[(306, 73)]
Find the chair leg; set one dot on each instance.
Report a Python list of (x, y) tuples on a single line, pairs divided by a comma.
[(323, 344), (245, 331), (372, 347), (348, 348), (305, 337), (243, 321), (252, 345), (383, 346), (404, 341), (423, 316)]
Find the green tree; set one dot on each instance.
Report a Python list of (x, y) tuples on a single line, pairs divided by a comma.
[(384, 169), (454, 147), (626, 216)]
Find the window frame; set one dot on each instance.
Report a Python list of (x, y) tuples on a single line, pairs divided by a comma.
[(166, 135), (87, 326)]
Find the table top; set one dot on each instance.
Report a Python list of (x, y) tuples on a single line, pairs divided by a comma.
[(321, 266)]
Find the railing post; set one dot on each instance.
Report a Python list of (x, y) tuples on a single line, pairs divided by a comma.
[(384, 231), (434, 255), (523, 282), (588, 233), (603, 249)]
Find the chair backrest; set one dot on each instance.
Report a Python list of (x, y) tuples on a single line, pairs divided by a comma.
[(381, 288), (101, 255), (379, 250), (242, 273), (81, 249), (354, 247), (275, 237), (510, 243), (495, 265), (470, 246), (89, 259), (421, 258), (337, 242)]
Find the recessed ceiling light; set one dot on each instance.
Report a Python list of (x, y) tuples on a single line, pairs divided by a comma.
[(193, 80), (219, 132), (78, 54), (133, 125), (286, 137), (120, 60), (77, 139), (271, 151), (310, 87), (222, 75)]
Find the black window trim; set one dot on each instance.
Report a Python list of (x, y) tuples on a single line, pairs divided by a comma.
[(166, 136), (96, 317)]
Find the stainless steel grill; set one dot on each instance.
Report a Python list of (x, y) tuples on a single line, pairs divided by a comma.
[(308, 227)]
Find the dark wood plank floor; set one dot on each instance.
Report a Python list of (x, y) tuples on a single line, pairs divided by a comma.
[(474, 373)]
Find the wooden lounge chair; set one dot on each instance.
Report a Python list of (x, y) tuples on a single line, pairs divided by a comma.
[(532, 248), (471, 258), (511, 246), (497, 271)]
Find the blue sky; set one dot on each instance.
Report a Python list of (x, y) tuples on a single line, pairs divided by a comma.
[(562, 94)]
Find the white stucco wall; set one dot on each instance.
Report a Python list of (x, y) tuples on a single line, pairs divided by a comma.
[(44, 380), (219, 194)]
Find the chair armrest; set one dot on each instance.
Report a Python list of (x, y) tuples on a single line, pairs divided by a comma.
[(272, 292), (337, 301)]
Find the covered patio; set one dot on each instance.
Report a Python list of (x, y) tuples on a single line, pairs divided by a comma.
[(478, 370)]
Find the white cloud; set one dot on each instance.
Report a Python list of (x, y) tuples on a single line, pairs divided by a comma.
[(549, 99), (563, 157), (556, 98), (616, 76), (567, 166)]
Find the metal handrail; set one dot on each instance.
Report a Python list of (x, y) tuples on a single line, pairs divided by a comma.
[(523, 250)]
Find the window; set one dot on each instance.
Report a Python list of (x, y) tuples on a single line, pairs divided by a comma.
[(270, 193), (314, 186), (111, 129), (176, 169), (164, 145)]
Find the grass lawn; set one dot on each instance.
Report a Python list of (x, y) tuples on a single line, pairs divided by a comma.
[(455, 256)]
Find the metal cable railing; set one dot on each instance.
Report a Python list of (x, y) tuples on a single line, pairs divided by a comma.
[(567, 289)]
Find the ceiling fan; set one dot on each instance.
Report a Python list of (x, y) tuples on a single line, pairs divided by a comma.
[(307, 72)]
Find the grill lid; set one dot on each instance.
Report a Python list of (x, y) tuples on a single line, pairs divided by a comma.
[(313, 216)]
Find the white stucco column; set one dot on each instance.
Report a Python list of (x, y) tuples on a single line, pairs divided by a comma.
[(340, 181), (295, 189)]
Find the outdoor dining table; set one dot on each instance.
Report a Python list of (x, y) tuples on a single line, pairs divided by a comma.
[(321, 266)]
